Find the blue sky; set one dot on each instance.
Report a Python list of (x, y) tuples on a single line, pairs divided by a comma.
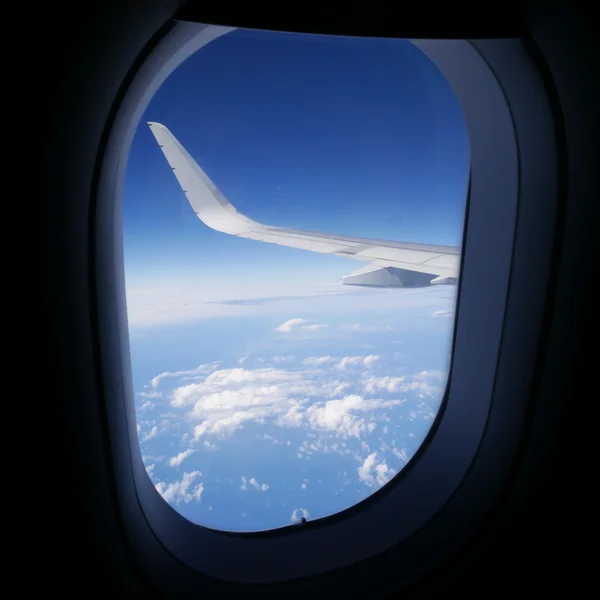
[(349, 136)]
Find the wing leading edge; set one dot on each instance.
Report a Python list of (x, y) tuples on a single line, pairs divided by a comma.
[(391, 264)]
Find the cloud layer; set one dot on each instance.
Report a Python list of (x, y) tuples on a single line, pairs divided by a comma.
[(341, 395), (310, 418), (341, 405)]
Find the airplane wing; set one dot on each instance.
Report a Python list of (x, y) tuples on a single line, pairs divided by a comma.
[(391, 264)]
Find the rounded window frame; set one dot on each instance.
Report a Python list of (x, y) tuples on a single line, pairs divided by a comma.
[(480, 425)]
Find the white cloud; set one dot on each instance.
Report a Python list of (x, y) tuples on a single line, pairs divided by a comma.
[(148, 405), (371, 472), (177, 460), (426, 383), (447, 313), (383, 473), (389, 384), (266, 436), (153, 394), (402, 454), (298, 514), (179, 491), (364, 471), (224, 425), (367, 361), (314, 395), (227, 381), (242, 360), (280, 359), (339, 388), (152, 433), (371, 359), (340, 416), (318, 360), (289, 325), (253, 484), (201, 369)]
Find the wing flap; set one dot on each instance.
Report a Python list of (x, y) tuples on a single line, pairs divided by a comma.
[(387, 277), (419, 268)]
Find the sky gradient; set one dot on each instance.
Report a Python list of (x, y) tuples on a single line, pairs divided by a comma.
[(264, 389)]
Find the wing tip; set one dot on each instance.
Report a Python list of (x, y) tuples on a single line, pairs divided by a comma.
[(152, 124)]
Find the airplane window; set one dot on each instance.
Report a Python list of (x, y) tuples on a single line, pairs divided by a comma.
[(293, 214)]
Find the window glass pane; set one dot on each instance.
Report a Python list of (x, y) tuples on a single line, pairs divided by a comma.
[(268, 389)]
